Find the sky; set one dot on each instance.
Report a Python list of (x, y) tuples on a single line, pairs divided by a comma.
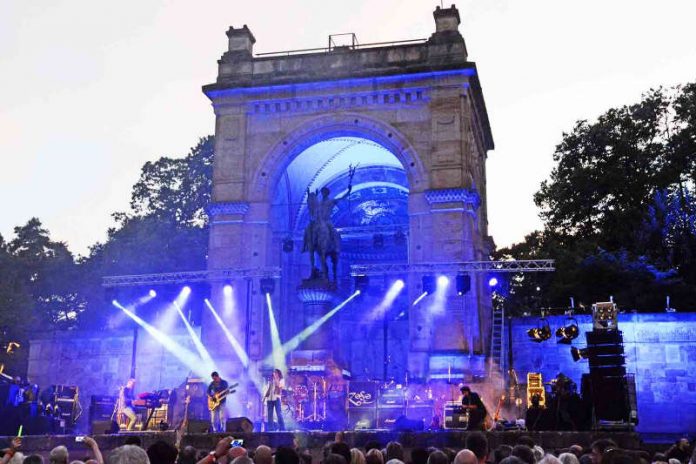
[(91, 90)]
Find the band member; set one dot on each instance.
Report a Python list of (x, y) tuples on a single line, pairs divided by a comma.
[(272, 398), (127, 404), (471, 401), (218, 415)]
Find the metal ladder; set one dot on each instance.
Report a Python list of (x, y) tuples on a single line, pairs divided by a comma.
[(497, 352)]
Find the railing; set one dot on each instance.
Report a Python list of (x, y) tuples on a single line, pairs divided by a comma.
[(332, 47)]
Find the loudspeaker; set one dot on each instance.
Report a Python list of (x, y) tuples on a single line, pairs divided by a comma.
[(104, 427), (198, 426), (239, 424), (386, 417), (362, 418)]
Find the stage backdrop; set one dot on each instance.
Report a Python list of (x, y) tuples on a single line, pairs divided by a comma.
[(660, 350)]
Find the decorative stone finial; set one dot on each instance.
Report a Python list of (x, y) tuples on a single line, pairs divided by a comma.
[(241, 40), (446, 19)]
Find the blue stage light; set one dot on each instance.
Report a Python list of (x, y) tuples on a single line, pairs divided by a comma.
[(153, 293), (442, 280), (186, 290), (492, 282), (227, 290)]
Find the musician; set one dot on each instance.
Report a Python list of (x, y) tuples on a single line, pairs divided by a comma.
[(272, 398), (471, 401), (127, 404), (218, 415)]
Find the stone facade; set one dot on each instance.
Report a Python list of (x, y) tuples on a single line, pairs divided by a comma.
[(422, 102)]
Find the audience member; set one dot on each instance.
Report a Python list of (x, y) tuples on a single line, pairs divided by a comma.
[(187, 455), (419, 456), (576, 450), (568, 458), (438, 457), (478, 444), (335, 458), (286, 455), (15, 444), (343, 449), (549, 459), (526, 440), (370, 445), (538, 453), (599, 446), (356, 456), (681, 450), (91, 443), (375, 456), (244, 459), (394, 451), (465, 456), (512, 460), (34, 459), (525, 453), (133, 440), (161, 452), (263, 455), (501, 452), (129, 454), (58, 455)]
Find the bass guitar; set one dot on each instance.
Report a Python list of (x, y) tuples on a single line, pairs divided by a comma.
[(215, 400)]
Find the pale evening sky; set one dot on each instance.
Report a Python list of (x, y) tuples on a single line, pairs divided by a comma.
[(93, 89)]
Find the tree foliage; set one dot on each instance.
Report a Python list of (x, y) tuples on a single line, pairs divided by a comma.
[(619, 209)]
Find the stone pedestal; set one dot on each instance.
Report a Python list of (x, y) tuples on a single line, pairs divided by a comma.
[(317, 296)]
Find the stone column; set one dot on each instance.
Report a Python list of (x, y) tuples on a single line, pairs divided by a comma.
[(317, 301)]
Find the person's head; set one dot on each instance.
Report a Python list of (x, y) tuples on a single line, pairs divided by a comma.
[(549, 459), (133, 440), (538, 453), (341, 448), (76, 461), (161, 452), (576, 450), (334, 458), (128, 454), (130, 383), (395, 461), (683, 444), (370, 445), (465, 456), (33, 459), (512, 460), (438, 457), (325, 192), (526, 440), (466, 391), (568, 458), (17, 458), (419, 456), (673, 461), (501, 452), (236, 452), (375, 456), (263, 455), (394, 451), (286, 455), (658, 457), (277, 374), (215, 376), (306, 457), (187, 455), (478, 444), (58, 455), (525, 453), (599, 447), (91, 461), (356, 456), (242, 460)]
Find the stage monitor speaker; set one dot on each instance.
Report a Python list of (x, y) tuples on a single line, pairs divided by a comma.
[(403, 424), (386, 417), (104, 427), (198, 426), (239, 424), (362, 418)]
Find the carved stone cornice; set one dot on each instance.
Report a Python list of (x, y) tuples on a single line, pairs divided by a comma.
[(469, 198), (227, 209)]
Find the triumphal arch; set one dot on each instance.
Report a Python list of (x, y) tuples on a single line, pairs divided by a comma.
[(411, 118)]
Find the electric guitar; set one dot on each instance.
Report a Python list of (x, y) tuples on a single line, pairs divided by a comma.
[(215, 400)]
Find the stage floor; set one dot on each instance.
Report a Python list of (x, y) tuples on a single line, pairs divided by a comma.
[(315, 440)]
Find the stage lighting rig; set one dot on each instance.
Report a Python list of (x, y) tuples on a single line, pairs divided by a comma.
[(568, 332), (267, 285), (605, 316), (579, 353), (463, 284), (362, 282), (541, 333), (428, 282)]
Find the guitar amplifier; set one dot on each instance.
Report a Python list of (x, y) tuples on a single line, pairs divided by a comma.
[(362, 418), (387, 417), (362, 395), (455, 416), (422, 410), (101, 408)]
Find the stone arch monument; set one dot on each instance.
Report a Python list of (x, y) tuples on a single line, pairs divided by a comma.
[(414, 114)]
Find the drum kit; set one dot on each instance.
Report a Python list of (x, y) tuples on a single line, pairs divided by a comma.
[(304, 400)]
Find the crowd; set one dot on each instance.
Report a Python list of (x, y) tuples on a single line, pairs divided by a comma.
[(475, 451)]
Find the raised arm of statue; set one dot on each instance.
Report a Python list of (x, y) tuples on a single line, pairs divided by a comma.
[(312, 204), (351, 173)]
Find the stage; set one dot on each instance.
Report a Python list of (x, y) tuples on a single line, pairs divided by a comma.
[(315, 440)]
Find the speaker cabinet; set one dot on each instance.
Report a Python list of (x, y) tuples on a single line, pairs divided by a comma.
[(198, 426), (362, 418), (239, 425), (104, 427)]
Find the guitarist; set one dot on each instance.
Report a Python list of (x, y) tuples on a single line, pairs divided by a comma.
[(218, 415), (471, 401), (272, 397)]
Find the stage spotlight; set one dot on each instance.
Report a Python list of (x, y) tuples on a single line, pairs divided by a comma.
[(153, 293), (399, 284), (493, 281), (227, 290), (378, 241), (568, 332), (541, 333), (186, 291), (267, 285), (463, 284), (579, 354), (428, 282), (442, 281), (362, 282)]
